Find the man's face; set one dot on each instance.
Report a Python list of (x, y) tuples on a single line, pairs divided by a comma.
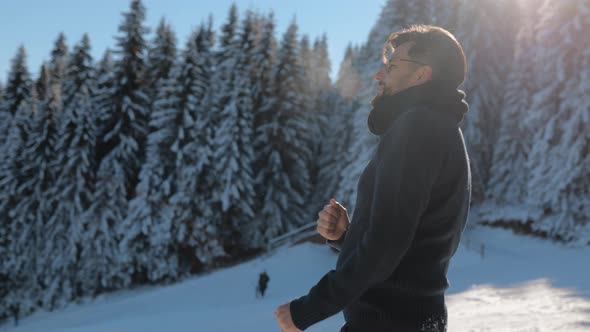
[(395, 74)]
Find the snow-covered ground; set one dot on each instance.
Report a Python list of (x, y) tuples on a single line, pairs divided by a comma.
[(518, 284)]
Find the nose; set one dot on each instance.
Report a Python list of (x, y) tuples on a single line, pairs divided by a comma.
[(379, 74)]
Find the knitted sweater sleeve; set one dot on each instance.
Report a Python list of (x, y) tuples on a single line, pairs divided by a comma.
[(409, 156), (337, 244)]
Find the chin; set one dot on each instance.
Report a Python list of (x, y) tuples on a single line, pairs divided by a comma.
[(376, 99)]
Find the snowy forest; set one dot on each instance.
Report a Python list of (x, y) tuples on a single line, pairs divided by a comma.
[(159, 161)]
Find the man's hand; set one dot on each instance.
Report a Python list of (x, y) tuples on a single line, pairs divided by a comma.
[(284, 319), (333, 221)]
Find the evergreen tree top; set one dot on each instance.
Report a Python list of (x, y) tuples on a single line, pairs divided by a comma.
[(162, 54), (322, 62), (81, 57), (165, 39), (59, 59), (42, 84), (268, 38), (132, 25), (228, 29), (131, 46), (83, 45), (60, 48), (205, 36), (289, 46), (80, 70), (19, 84), (19, 63)]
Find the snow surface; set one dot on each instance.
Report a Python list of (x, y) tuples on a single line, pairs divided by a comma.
[(518, 284)]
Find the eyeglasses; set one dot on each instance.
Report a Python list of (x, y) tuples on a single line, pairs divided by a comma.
[(390, 61)]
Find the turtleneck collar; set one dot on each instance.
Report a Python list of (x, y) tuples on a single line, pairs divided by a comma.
[(436, 96)]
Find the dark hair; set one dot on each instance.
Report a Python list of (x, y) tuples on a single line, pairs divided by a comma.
[(435, 46)]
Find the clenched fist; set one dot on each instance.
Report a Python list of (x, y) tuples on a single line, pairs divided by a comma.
[(333, 221)]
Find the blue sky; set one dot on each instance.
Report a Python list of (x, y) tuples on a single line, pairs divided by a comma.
[(36, 23)]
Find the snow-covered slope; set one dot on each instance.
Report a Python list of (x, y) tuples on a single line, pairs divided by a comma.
[(518, 284)]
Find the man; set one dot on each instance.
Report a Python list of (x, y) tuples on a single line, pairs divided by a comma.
[(412, 199)]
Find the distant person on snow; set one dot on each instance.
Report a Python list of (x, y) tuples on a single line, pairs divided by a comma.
[(412, 201), (262, 283)]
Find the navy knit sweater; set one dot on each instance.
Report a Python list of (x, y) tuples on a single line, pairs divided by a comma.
[(411, 208)]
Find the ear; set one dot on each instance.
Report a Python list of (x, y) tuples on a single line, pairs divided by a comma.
[(423, 74)]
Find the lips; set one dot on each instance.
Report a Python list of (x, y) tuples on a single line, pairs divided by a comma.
[(379, 89)]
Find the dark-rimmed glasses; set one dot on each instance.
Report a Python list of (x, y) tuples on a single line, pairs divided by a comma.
[(388, 65)]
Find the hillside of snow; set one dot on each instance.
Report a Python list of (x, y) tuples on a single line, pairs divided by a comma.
[(514, 283)]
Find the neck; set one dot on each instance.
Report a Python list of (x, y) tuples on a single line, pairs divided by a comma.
[(430, 94)]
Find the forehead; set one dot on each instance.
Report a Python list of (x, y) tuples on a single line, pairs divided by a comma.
[(399, 52)]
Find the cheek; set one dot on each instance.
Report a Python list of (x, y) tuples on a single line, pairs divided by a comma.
[(402, 79), (392, 81)]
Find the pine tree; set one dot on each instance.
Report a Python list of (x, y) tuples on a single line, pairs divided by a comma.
[(160, 59), (308, 62), (19, 290), (5, 117), (59, 60), (34, 180), (19, 86), (322, 63), (53, 100), (18, 91), (233, 154), (35, 205), (446, 14), (487, 72), (270, 175), (310, 92), (103, 96), (104, 261), (559, 158), (79, 72), (150, 213), (324, 105), (348, 80), (42, 85), (73, 191), (263, 62), (122, 149), (196, 230), (101, 261), (339, 115), (127, 126), (295, 150), (509, 172), (75, 162)]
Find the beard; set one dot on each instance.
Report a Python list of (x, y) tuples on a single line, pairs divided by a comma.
[(378, 95)]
